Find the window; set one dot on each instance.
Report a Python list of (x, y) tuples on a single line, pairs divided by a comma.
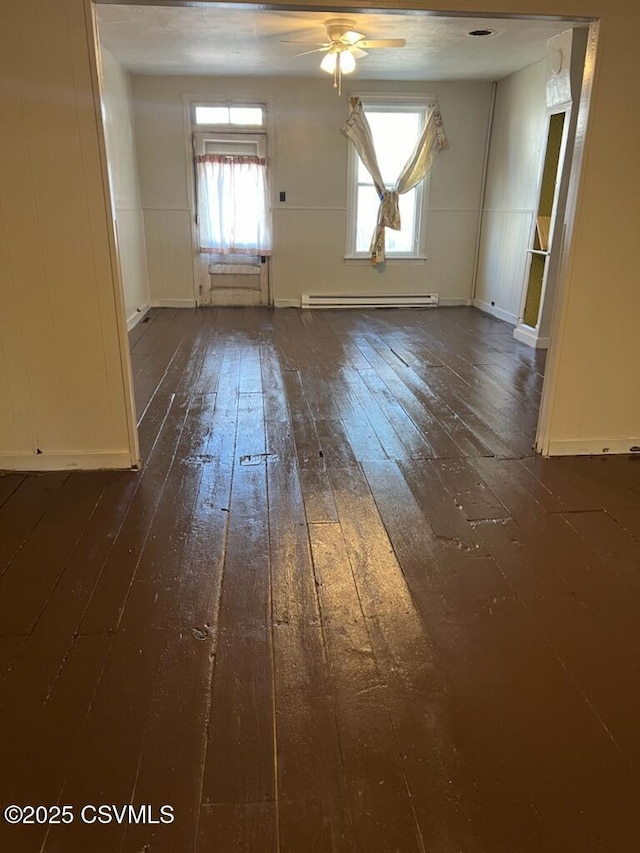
[(396, 125), (247, 115)]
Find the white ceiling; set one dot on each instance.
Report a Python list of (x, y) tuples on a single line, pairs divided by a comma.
[(246, 41)]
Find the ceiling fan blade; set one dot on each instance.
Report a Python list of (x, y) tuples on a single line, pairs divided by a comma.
[(351, 37), (373, 43), (297, 41), (357, 53), (315, 50)]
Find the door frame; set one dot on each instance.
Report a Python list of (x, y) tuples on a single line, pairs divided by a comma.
[(538, 336), (122, 332), (578, 166), (189, 100)]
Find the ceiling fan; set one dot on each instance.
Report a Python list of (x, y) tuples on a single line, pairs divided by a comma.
[(343, 46)]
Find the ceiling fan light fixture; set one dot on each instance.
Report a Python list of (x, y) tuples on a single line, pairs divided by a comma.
[(338, 61), (344, 46), (328, 63), (347, 62)]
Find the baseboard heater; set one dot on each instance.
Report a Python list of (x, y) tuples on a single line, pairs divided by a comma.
[(429, 300)]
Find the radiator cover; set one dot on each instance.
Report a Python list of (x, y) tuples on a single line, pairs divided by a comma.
[(429, 300)]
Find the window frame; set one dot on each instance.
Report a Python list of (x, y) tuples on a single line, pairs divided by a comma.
[(388, 102), (232, 127), (202, 137)]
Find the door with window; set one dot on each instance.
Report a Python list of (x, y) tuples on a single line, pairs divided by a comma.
[(232, 217)]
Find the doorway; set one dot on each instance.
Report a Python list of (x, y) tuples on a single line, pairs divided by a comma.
[(209, 274), (232, 216), (540, 265)]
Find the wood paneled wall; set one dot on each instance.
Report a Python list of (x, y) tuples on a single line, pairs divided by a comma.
[(63, 371), (117, 111), (518, 129)]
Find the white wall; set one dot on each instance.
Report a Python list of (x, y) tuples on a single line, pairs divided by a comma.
[(125, 192), (65, 396), (517, 137), (309, 162)]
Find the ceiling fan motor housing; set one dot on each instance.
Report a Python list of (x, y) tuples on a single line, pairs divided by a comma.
[(337, 27)]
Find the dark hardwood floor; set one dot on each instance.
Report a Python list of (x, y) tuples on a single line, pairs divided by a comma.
[(343, 607)]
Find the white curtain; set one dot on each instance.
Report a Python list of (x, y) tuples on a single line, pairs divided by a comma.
[(432, 139), (233, 205)]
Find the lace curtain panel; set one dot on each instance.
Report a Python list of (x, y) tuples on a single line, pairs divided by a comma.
[(233, 205)]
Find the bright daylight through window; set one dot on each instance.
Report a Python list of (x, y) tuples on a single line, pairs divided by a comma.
[(214, 115), (396, 129)]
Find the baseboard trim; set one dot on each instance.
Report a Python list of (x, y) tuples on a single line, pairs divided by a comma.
[(454, 301), (31, 462), (500, 313), (594, 447), (527, 335), (447, 301), (173, 303), (137, 315)]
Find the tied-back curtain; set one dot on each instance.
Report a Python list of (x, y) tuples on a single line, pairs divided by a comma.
[(233, 205), (432, 139)]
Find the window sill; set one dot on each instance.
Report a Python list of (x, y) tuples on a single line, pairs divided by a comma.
[(390, 259)]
